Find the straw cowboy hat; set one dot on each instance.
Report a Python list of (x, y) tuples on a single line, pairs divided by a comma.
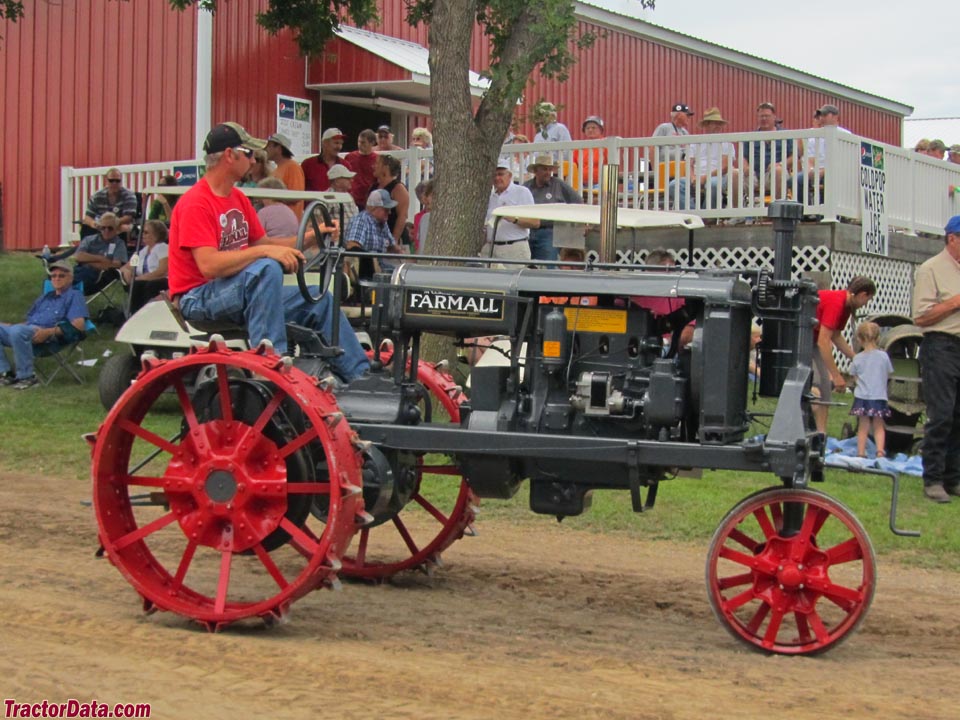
[(713, 115), (544, 160)]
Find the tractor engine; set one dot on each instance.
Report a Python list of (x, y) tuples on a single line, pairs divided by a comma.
[(646, 356)]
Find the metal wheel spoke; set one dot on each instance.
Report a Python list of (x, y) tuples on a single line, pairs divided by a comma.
[(142, 532), (735, 581), (847, 551), (763, 520), (362, 546), (294, 445), (270, 565), (268, 411), (226, 557), (819, 629), (753, 627), (803, 627), (305, 545), (223, 388), (843, 597), (184, 565), (147, 436), (813, 517), (773, 629), (308, 488), (742, 538), (426, 505), (405, 534), (738, 601), (186, 404), (776, 512), (737, 557)]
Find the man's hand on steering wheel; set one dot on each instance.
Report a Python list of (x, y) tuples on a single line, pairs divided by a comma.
[(288, 257)]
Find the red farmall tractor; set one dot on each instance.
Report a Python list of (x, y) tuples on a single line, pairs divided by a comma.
[(267, 481)]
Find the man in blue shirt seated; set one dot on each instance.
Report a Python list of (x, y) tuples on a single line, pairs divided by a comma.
[(99, 257), (369, 230), (42, 325)]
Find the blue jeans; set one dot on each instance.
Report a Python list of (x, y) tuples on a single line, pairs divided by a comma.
[(250, 297), (20, 338), (716, 186), (541, 244)]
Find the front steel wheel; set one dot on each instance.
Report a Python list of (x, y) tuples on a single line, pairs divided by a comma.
[(203, 502), (794, 588)]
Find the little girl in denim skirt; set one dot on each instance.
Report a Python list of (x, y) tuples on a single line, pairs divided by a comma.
[(871, 367)]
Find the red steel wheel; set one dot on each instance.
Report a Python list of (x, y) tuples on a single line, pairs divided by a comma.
[(225, 534), (798, 593), (384, 550)]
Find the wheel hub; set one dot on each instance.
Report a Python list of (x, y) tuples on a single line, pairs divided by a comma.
[(221, 486), (790, 575)]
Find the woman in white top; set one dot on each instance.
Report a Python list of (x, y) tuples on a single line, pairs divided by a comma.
[(149, 277)]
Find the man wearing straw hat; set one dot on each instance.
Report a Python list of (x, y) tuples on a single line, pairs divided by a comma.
[(710, 164), (547, 188)]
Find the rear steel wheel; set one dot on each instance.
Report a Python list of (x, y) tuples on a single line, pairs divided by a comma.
[(798, 592), (226, 533), (433, 520)]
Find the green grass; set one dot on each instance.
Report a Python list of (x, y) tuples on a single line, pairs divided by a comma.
[(42, 430)]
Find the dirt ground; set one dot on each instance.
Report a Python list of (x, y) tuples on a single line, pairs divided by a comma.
[(522, 622)]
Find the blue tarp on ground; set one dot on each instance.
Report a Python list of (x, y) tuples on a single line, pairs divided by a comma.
[(843, 454)]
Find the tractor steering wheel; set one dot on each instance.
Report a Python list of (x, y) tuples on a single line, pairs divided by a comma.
[(315, 214)]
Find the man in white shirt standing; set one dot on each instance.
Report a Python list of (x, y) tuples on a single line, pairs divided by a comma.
[(709, 168), (512, 233)]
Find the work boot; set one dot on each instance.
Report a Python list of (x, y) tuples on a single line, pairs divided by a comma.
[(936, 493), (952, 490)]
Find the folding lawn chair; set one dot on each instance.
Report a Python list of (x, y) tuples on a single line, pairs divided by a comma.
[(62, 350)]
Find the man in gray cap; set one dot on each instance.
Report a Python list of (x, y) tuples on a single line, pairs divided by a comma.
[(815, 152), (954, 154), (369, 230), (680, 115), (288, 170), (548, 129), (52, 316)]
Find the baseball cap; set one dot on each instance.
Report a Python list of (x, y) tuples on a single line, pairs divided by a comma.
[(829, 110), (503, 162), (60, 265), (228, 135), (339, 171), (332, 133), (953, 225), (680, 107), (384, 128), (938, 145), (592, 119), (380, 198), (282, 140), (954, 149)]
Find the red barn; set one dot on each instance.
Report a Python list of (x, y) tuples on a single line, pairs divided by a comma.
[(102, 83)]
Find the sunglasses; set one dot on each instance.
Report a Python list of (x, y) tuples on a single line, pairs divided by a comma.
[(114, 180), (246, 152)]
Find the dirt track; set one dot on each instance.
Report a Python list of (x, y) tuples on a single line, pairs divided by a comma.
[(532, 622)]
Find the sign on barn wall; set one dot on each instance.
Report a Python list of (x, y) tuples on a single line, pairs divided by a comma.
[(295, 120), (873, 200)]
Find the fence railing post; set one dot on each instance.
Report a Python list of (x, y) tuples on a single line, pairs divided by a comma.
[(66, 204)]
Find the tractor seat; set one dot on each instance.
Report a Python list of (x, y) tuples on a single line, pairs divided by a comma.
[(228, 330)]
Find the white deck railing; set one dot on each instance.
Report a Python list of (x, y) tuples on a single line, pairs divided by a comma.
[(917, 191)]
